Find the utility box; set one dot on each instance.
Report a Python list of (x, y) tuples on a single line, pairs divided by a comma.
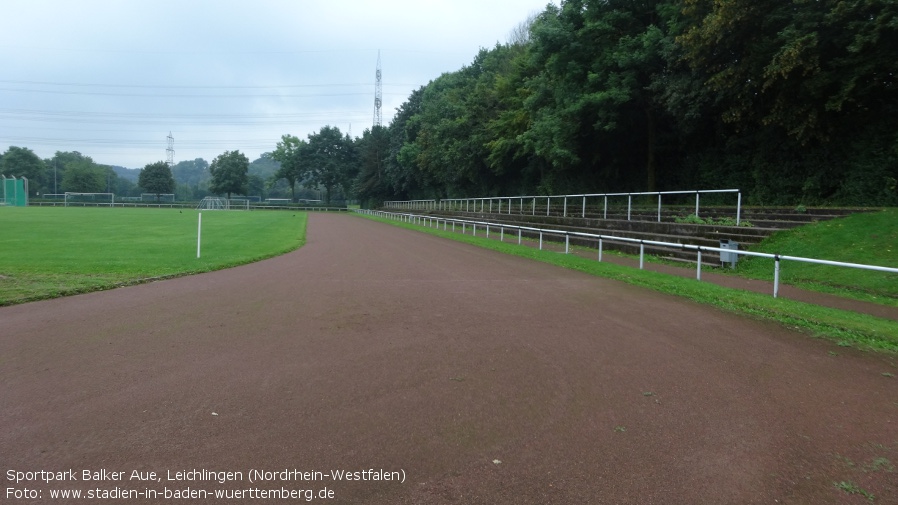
[(728, 257)]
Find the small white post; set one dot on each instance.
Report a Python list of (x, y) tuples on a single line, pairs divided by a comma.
[(776, 276), (698, 268), (199, 231)]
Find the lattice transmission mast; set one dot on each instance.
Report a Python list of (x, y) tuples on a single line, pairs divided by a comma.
[(170, 151), (378, 95)]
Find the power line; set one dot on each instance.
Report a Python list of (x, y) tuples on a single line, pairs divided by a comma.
[(183, 86)]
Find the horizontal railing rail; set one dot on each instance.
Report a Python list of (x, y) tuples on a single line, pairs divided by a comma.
[(431, 221), (536, 202), (412, 204)]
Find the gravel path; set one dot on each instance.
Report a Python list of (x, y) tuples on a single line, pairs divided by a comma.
[(480, 377)]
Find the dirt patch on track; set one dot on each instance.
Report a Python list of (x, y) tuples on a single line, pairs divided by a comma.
[(485, 378)]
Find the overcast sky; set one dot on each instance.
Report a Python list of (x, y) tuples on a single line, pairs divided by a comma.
[(111, 79)]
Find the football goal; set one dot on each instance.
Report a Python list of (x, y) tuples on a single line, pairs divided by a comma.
[(163, 197), (212, 203), (238, 204), (89, 199)]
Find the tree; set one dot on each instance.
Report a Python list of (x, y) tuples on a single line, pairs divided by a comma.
[(330, 159), (22, 162), (371, 184), (84, 177), (156, 178), (289, 153), (192, 173), (229, 173)]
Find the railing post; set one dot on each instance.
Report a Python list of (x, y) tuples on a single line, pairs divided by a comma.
[(738, 207), (776, 275), (564, 213), (567, 243), (540, 240), (698, 267), (584, 208), (641, 254), (659, 207), (548, 204), (600, 249), (519, 236), (696, 203), (605, 216), (534, 205), (629, 205)]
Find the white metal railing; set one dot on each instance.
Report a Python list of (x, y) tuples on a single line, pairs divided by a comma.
[(512, 202), (412, 204), (435, 221)]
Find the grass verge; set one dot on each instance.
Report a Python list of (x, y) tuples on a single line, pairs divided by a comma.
[(843, 327), (48, 252), (867, 238)]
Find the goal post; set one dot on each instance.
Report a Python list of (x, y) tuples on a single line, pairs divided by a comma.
[(238, 204), (219, 203), (89, 199), (163, 197), (212, 203)]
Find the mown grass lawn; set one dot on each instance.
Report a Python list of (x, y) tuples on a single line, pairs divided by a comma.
[(866, 238), (54, 251)]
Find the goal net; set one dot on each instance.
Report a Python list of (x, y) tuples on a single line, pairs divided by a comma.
[(212, 203), (218, 203), (238, 204), (163, 197), (89, 199)]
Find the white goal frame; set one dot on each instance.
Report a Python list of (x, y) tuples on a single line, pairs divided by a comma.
[(238, 204), (163, 197), (71, 193)]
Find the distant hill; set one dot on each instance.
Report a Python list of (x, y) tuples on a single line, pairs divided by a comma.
[(264, 167), (130, 174)]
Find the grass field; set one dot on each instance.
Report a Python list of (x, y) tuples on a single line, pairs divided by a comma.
[(846, 328), (866, 238), (54, 251)]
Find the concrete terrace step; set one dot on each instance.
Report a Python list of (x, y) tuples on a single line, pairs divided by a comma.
[(643, 224), (702, 235)]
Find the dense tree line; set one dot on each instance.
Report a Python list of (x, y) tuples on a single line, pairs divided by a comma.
[(791, 101)]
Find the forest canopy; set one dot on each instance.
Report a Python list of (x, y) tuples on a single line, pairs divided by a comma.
[(790, 101)]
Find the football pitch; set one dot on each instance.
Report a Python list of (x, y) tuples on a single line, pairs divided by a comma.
[(54, 251)]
